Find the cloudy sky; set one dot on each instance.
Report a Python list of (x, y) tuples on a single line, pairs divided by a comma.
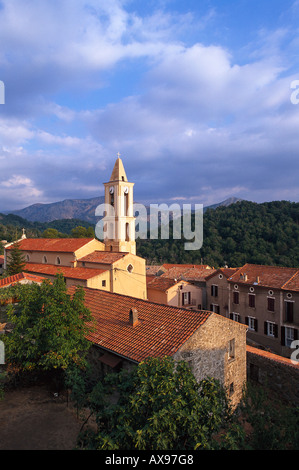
[(194, 94)]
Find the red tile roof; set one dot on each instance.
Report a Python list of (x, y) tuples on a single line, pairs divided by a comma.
[(161, 329), (293, 283), (102, 257), (275, 277), (70, 273), (11, 280), (272, 357), (61, 245), (160, 283), (197, 273), (198, 266), (227, 272)]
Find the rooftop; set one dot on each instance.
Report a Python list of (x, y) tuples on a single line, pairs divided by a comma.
[(103, 257), (70, 273), (59, 245), (274, 277), (160, 283), (12, 280), (161, 330)]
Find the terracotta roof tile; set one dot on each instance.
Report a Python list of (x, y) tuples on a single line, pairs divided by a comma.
[(102, 257), (61, 245), (227, 272), (68, 272), (11, 280), (197, 273), (264, 276), (160, 283), (272, 357), (293, 283), (161, 329)]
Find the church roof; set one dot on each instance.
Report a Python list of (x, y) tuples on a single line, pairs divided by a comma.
[(68, 272), (62, 245), (118, 173), (160, 331)]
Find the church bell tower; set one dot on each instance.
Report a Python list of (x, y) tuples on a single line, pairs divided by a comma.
[(119, 226)]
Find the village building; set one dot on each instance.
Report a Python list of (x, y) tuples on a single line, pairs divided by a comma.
[(127, 330), (173, 292), (265, 298)]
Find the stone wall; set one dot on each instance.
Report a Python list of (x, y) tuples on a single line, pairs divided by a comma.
[(275, 372)]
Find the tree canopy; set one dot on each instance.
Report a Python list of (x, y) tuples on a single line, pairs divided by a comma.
[(49, 327)]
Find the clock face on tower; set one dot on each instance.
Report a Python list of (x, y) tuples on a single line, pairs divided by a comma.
[(126, 190), (111, 190)]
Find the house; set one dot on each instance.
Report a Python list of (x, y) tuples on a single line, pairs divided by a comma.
[(217, 290), (109, 265), (193, 274), (265, 298), (127, 330), (173, 292)]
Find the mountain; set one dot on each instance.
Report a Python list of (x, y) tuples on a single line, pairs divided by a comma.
[(83, 209)]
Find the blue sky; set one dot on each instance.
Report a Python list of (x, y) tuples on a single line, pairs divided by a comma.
[(195, 95)]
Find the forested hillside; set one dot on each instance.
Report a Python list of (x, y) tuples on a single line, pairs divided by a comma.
[(244, 232)]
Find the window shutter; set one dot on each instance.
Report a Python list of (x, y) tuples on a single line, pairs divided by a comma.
[(246, 321), (283, 340), (183, 299), (256, 324), (276, 331), (265, 328), (295, 334), (231, 316)]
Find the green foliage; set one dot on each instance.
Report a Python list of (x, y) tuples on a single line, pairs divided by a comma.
[(17, 262), (49, 327), (275, 426), (160, 406), (244, 232)]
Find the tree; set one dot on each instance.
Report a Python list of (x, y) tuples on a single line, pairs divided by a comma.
[(49, 327), (17, 260), (51, 233), (160, 407)]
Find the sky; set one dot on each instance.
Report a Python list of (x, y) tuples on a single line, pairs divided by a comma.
[(195, 95)]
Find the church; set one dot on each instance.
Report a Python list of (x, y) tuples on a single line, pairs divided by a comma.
[(111, 265)]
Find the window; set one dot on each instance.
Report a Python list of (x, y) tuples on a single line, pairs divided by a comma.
[(289, 336), (215, 308), (214, 290), (271, 304), (289, 311), (235, 317), (27, 258), (252, 323), (251, 300), (58, 261), (231, 349), (186, 298), (130, 268), (236, 298), (271, 329), (231, 388), (104, 283), (45, 260)]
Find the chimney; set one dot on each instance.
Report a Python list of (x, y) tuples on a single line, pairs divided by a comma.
[(133, 318)]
